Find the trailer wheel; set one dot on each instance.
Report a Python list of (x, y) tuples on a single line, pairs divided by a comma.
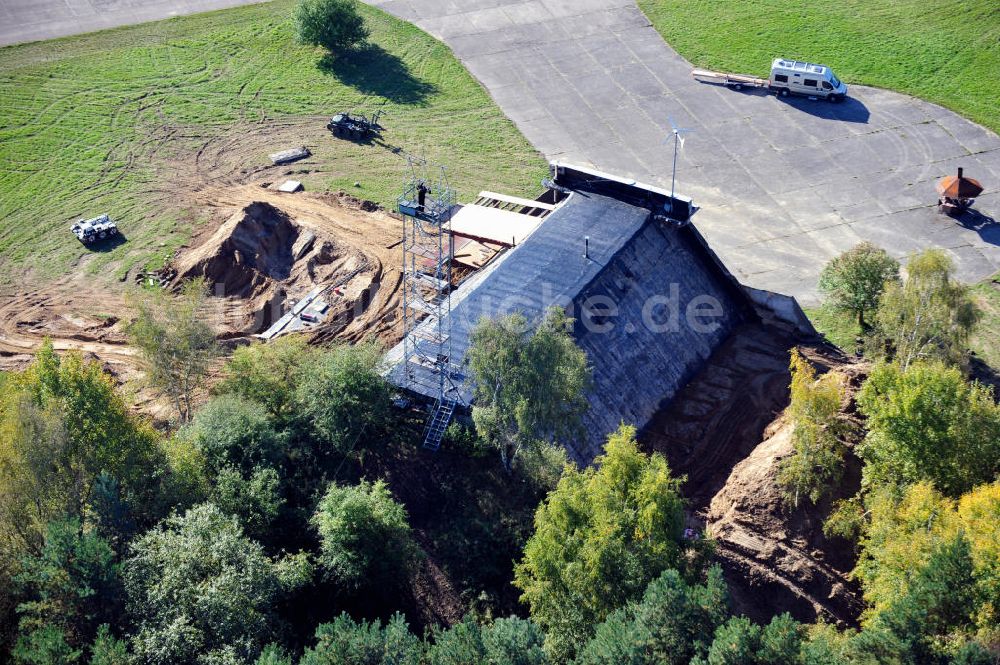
[(738, 86)]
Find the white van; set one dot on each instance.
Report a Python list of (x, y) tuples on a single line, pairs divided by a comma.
[(791, 77)]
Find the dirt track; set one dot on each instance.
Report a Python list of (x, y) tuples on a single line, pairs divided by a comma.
[(72, 315)]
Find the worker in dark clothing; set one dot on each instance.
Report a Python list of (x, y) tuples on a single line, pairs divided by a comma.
[(422, 190)]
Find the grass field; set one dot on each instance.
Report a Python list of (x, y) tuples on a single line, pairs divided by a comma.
[(986, 341), (96, 123), (942, 51)]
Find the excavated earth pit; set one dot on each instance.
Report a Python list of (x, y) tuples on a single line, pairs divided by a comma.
[(726, 432), (260, 260)]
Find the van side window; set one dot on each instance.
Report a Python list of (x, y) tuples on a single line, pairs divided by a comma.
[(810, 82), (827, 86), (781, 78)]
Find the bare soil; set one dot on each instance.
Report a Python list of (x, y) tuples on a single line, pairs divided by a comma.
[(726, 432), (253, 264)]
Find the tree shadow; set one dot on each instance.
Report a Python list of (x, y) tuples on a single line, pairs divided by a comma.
[(372, 70), (987, 227), (986, 375)]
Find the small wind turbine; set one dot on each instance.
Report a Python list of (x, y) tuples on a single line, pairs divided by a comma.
[(678, 133)]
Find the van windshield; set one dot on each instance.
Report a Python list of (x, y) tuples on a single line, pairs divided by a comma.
[(834, 80)]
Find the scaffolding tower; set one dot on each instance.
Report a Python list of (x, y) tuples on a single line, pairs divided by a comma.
[(428, 249)]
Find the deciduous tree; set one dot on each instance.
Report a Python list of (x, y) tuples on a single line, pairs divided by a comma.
[(854, 281), (333, 24), (175, 341), (529, 387), (62, 426), (233, 432), (254, 499), (365, 536), (927, 422), (929, 315), (345, 399), (196, 586), (600, 537), (904, 530), (268, 373)]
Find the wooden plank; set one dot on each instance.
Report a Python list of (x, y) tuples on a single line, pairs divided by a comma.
[(517, 200), (423, 278)]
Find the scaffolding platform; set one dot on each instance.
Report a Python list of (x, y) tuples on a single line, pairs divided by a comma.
[(426, 204)]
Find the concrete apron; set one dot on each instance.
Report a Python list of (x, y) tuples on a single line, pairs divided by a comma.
[(783, 184)]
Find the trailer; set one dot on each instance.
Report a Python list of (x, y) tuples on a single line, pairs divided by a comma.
[(734, 81), (788, 77)]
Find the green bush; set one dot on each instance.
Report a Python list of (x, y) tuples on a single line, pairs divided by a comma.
[(817, 462), (365, 536), (233, 432)]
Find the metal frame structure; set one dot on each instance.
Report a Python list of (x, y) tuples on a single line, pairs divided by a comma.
[(428, 250)]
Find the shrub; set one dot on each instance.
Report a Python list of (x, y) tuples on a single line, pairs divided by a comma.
[(365, 536), (818, 459), (332, 24)]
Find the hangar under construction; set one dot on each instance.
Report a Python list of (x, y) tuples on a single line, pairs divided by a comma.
[(651, 300)]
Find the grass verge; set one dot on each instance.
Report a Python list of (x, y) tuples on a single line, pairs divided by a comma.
[(97, 123), (841, 328), (986, 341), (944, 52)]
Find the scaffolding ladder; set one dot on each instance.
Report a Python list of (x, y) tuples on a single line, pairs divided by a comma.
[(438, 423)]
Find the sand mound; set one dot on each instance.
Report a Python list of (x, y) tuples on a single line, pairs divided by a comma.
[(777, 559), (259, 258)]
